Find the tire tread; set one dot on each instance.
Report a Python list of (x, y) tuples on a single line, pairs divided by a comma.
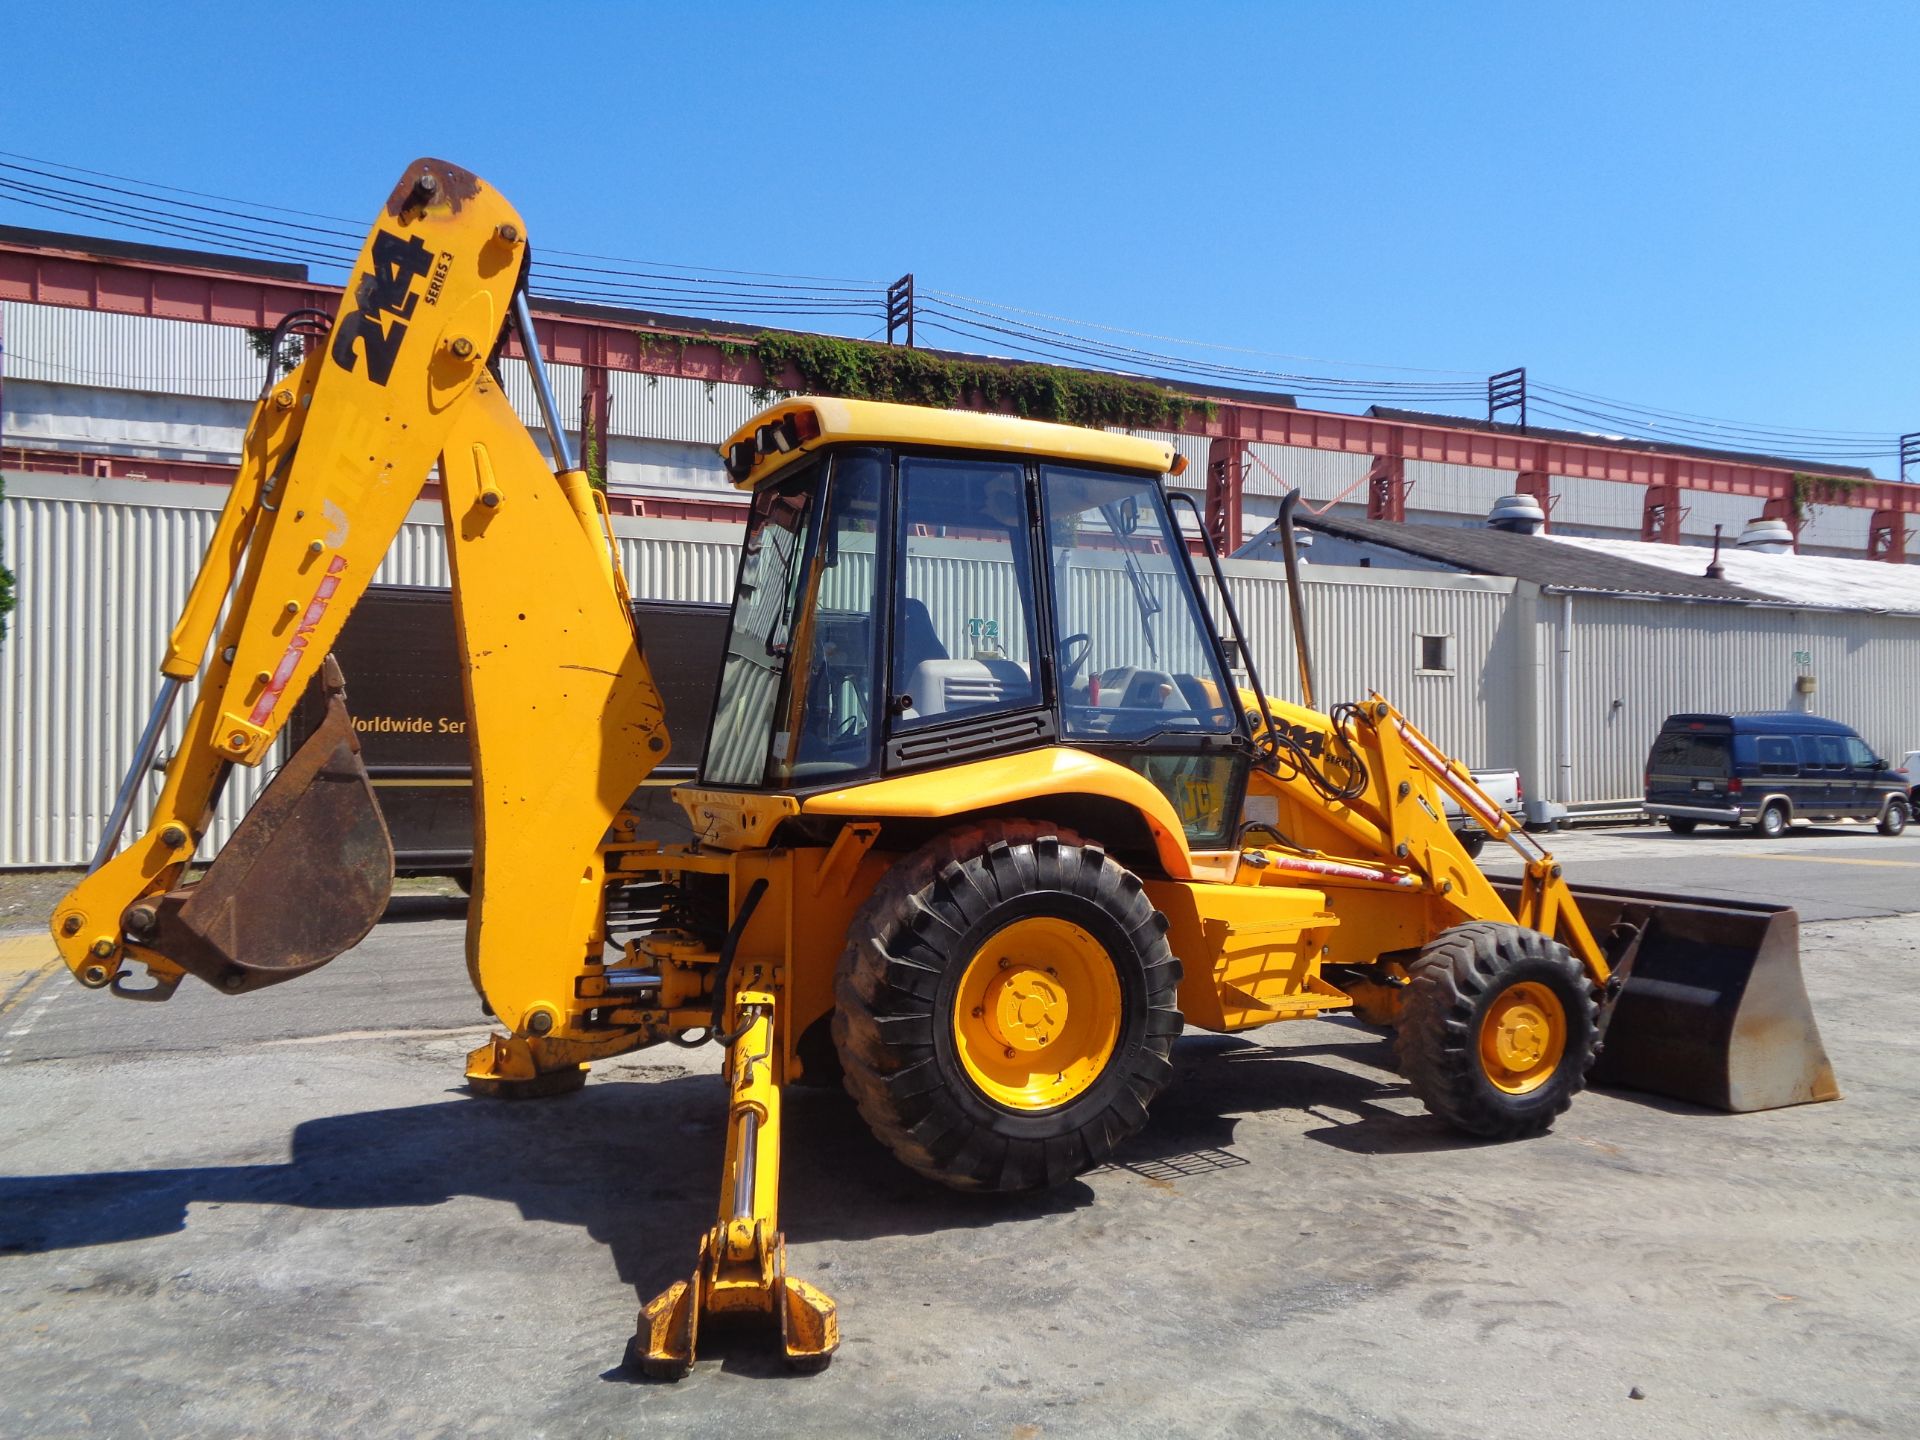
[(885, 997), (1437, 1042)]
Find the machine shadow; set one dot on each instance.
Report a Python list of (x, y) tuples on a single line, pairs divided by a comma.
[(630, 1162), (408, 905), (1222, 1077)]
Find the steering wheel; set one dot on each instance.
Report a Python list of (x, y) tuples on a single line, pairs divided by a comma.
[(1072, 661)]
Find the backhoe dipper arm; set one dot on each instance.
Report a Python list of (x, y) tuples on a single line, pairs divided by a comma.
[(335, 455)]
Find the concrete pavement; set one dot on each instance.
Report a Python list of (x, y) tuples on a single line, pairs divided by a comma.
[(281, 1215)]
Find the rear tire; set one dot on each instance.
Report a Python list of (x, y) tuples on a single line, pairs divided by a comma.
[(1894, 818), (1497, 1030), (1772, 823), (951, 1052), (1473, 842), (1679, 826)]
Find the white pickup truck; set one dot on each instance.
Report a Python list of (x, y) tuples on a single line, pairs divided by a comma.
[(1503, 787)]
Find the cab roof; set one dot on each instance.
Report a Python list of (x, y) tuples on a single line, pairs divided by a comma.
[(778, 436)]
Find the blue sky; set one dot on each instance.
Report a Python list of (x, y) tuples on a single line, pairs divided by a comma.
[(1707, 208)]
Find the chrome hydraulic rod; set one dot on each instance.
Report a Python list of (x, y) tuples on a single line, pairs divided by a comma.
[(1296, 599), (142, 759), (542, 387), (744, 1168)]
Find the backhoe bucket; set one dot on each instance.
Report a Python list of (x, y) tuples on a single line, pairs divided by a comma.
[(304, 877), (1714, 1010)]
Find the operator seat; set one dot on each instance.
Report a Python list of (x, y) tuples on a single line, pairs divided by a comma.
[(934, 684), (918, 642)]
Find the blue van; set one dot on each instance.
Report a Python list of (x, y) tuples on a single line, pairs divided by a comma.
[(1767, 771)]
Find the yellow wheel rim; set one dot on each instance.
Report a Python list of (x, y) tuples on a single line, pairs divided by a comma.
[(1523, 1037), (1037, 1014)]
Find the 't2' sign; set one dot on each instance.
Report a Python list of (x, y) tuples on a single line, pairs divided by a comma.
[(385, 291)]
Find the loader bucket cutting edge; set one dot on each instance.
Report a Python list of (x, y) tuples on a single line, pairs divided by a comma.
[(1715, 1008), (305, 876)]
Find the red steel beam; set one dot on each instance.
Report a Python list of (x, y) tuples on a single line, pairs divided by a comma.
[(113, 467), (1539, 484), (96, 466), (45, 276)]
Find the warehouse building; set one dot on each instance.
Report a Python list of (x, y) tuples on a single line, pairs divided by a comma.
[(1602, 639)]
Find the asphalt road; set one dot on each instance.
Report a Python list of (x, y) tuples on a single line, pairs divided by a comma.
[(282, 1215), (1834, 872)]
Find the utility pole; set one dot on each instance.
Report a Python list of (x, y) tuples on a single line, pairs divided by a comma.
[(900, 309), (1508, 391)]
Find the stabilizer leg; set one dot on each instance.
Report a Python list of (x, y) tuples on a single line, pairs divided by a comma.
[(743, 1260)]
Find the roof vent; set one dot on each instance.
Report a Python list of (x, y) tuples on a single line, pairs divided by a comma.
[(1767, 535), (1518, 515)]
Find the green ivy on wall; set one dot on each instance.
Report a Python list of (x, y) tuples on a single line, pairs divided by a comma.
[(260, 341), (1811, 490), (860, 370)]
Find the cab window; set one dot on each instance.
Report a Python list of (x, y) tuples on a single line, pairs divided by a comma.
[(1135, 657), (1859, 754), (962, 642)]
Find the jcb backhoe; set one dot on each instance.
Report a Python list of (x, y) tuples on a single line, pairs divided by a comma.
[(994, 802)]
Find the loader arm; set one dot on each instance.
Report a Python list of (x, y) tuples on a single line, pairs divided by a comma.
[(1391, 834), (565, 717)]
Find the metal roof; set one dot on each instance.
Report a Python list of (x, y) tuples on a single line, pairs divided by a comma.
[(1831, 582), (1618, 442), (154, 254), (1537, 559)]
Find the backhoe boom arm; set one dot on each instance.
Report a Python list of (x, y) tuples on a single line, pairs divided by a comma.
[(336, 453)]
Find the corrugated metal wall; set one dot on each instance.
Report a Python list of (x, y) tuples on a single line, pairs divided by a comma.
[(103, 567), (1635, 663), (130, 352), (1365, 636)]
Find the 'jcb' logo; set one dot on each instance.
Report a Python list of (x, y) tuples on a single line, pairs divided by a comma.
[(387, 290)]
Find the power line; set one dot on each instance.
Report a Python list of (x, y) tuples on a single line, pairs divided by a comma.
[(1579, 417), (1197, 344), (1710, 420), (240, 226)]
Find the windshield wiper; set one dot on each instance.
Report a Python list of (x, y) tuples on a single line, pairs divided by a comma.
[(1148, 602)]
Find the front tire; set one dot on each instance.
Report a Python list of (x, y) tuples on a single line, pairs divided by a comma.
[(1006, 1007), (1893, 819), (1497, 1030)]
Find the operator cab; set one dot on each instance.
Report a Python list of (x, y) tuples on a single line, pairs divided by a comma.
[(923, 588)]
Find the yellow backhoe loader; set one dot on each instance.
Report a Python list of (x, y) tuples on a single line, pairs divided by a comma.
[(994, 802)]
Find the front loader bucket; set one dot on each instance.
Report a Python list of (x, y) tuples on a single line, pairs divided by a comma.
[(304, 877), (1714, 1010)]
